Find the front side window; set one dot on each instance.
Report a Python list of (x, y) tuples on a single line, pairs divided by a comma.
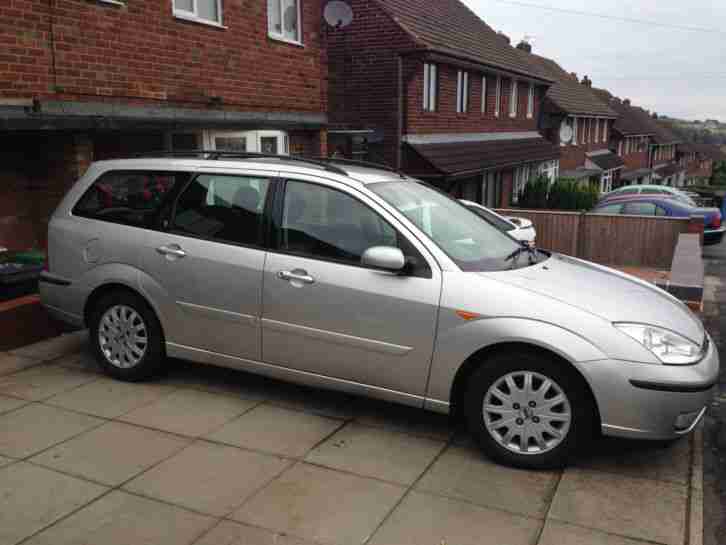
[(222, 208), (431, 86), (462, 92), (203, 10), (283, 20), (128, 197), (473, 244), (513, 98)]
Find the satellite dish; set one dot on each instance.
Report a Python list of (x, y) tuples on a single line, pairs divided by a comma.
[(566, 133), (338, 14)]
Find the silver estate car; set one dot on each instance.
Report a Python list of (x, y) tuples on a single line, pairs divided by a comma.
[(361, 279)]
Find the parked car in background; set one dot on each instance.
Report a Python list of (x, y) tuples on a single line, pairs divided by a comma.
[(520, 228), (367, 281), (645, 205), (650, 189)]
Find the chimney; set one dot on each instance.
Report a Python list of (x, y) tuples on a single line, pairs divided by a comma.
[(506, 38), (587, 82), (574, 76), (525, 46), (626, 102)]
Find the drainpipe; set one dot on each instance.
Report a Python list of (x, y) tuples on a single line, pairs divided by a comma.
[(399, 112)]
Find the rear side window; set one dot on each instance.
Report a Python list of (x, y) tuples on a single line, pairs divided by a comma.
[(639, 209), (223, 208), (128, 197), (610, 209)]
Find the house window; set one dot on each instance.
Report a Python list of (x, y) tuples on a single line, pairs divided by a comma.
[(521, 179), (513, 98), (283, 20), (491, 189), (606, 182), (575, 130), (431, 85), (483, 94), (530, 101), (207, 11), (462, 92), (550, 169), (597, 130), (605, 131), (498, 100)]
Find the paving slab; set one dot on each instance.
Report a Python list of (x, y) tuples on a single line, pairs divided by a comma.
[(12, 363), (559, 533), (109, 398), (233, 533), (36, 427), (391, 416), (31, 498), (111, 454), (123, 519), (422, 518), (374, 452), (11, 403), (55, 347), (190, 412), (82, 361), (644, 459), (209, 478), (321, 505), (5, 461), (322, 402), (636, 508), (276, 430), (695, 519), (42, 382), (466, 474)]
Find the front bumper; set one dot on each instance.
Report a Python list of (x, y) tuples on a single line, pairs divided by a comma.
[(645, 401)]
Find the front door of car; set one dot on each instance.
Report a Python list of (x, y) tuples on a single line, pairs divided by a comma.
[(325, 313), (207, 265)]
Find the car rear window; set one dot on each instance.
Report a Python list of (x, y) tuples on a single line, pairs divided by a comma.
[(128, 197)]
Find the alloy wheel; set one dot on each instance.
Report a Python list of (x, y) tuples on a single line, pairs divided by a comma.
[(122, 336)]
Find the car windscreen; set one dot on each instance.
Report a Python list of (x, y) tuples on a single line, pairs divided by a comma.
[(473, 244), (493, 219)]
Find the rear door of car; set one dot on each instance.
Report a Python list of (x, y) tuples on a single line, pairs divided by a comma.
[(205, 265)]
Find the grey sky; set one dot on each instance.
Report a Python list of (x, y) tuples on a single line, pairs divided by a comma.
[(675, 72)]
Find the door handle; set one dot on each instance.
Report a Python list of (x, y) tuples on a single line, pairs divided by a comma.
[(172, 250), (296, 276)]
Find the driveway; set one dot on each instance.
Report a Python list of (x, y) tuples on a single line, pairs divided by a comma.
[(211, 456)]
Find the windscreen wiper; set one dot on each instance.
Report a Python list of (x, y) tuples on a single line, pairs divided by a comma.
[(531, 252)]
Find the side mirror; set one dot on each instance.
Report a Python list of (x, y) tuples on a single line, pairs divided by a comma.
[(387, 258)]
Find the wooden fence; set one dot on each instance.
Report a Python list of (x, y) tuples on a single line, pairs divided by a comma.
[(637, 241)]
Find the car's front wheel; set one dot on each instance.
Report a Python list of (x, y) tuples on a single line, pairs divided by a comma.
[(528, 410), (126, 336)]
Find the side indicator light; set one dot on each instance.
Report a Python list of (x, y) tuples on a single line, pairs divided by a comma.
[(468, 316)]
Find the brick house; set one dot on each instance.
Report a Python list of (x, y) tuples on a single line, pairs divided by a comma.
[(90, 79), (699, 161), (432, 89), (630, 139), (575, 119), (664, 162)]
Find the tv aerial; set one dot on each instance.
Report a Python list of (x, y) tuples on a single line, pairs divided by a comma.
[(338, 14)]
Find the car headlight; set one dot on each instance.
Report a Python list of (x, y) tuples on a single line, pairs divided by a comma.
[(670, 348)]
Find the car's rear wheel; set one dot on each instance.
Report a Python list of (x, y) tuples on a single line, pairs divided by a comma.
[(529, 410), (126, 337)]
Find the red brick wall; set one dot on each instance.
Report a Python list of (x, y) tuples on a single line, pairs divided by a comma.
[(446, 120), (141, 53)]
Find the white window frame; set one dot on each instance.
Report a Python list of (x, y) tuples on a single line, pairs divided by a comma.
[(550, 169), (462, 92), (194, 14), (498, 103), (484, 94), (522, 176), (575, 131), (597, 130), (530, 102), (606, 182), (605, 131), (431, 85), (281, 36), (253, 139), (514, 98)]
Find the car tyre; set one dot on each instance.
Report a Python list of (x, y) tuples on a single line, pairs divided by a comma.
[(535, 443), (126, 337)]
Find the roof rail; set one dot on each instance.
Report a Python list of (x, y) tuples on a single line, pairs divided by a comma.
[(342, 161), (216, 155)]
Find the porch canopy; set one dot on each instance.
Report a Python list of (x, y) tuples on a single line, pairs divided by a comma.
[(467, 158), (606, 160)]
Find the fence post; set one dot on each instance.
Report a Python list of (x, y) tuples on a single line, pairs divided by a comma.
[(696, 226), (579, 239)]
